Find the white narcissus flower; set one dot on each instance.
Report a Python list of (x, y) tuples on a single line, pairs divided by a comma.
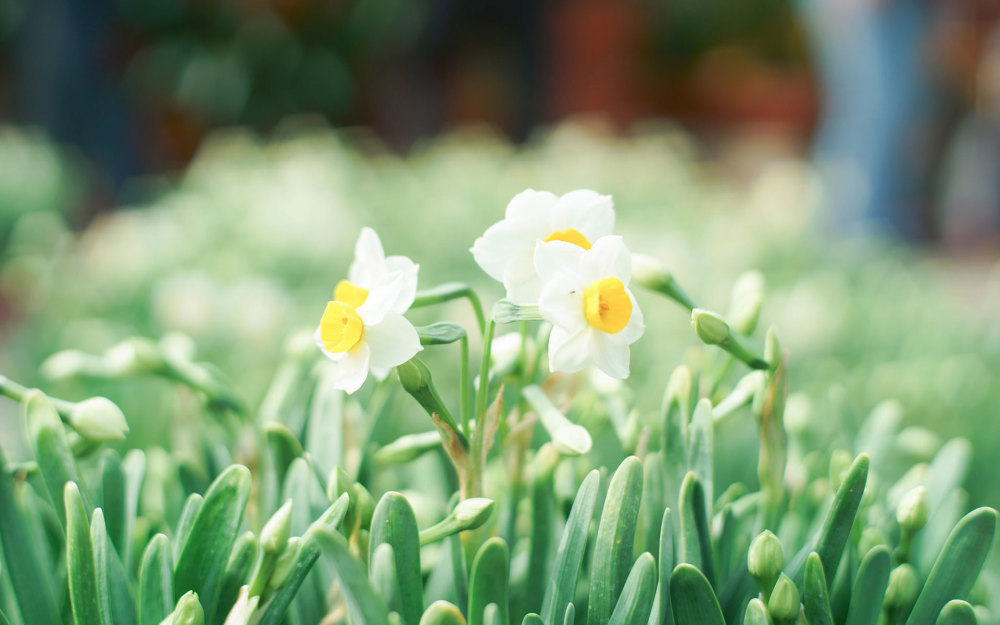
[(506, 251), (586, 299), (363, 328)]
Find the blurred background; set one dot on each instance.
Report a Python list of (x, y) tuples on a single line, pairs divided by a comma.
[(201, 169)]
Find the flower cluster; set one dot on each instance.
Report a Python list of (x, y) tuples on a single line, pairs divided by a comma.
[(558, 253)]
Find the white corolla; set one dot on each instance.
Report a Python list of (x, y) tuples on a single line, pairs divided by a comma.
[(363, 328), (506, 251), (585, 296)]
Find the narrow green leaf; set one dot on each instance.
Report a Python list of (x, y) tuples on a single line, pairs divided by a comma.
[(837, 525), (957, 567), (815, 597), (156, 583), (52, 452), (3, 619), (756, 613), (539, 539), (239, 567), (191, 507), (661, 613), (284, 448), (570, 616), (442, 613), (653, 501), (393, 522), (134, 467), (363, 605), (408, 447), (111, 497), (636, 600), (569, 557), (382, 576), (615, 541), (957, 612), (532, 619), (86, 597), (273, 611), (203, 558), (869, 587), (110, 574), (702, 442), (695, 534), (692, 598), (325, 428), (488, 582), (29, 577)]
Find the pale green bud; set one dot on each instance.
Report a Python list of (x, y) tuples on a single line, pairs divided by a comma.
[(913, 510), (711, 328), (65, 364), (133, 355), (408, 447), (784, 602), (275, 532), (679, 387), (243, 609), (756, 613), (747, 299), (765, 559), (650, 273), (285, 563), (98, 419), (471, 513), (903, 587), (187, 612)]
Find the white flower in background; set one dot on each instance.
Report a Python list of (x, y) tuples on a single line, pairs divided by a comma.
[(586, 298), (363, 328), (506, 251)]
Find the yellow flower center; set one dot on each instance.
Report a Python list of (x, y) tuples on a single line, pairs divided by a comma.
[(341, 327), (569, 235), (350, 294), (607, 306)]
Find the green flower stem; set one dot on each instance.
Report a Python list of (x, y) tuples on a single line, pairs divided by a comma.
[(735, 347), (450, 291), (667, 285), (484, 370), (465, 391), (416, 380), (11, 389)]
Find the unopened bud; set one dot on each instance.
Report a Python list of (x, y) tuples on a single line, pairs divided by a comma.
[(133, 355), (650, 273), (765, 560), (913, 510), (903, 587), (187, 612), (756, 613), (243, 609), (98, 419), (471, 513), (711, 328), (275, 532), (65, 364), (747, 298), (784, 602)]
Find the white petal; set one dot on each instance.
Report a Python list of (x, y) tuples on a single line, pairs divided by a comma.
[(561, 304), (521, 280), (558, 257), (393, 341), (408, 269), (569, 352), (611, 357), (635, 327), (319, 343), (588, 212), (498, 245), (353, 369), (608, 257), (381, 299), (530, 207), (369, 260)]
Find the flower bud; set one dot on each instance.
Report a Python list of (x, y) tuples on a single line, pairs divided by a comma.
[(650, 272), (243, 609), (98, 419), (903, 587), (65, 364), (274, 534), (747, 299), (679, 388), (765, 560), (784, 602), (471, 513), (188, 611), (756, 613), (913, 510), (133, 355), (711, 328)]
